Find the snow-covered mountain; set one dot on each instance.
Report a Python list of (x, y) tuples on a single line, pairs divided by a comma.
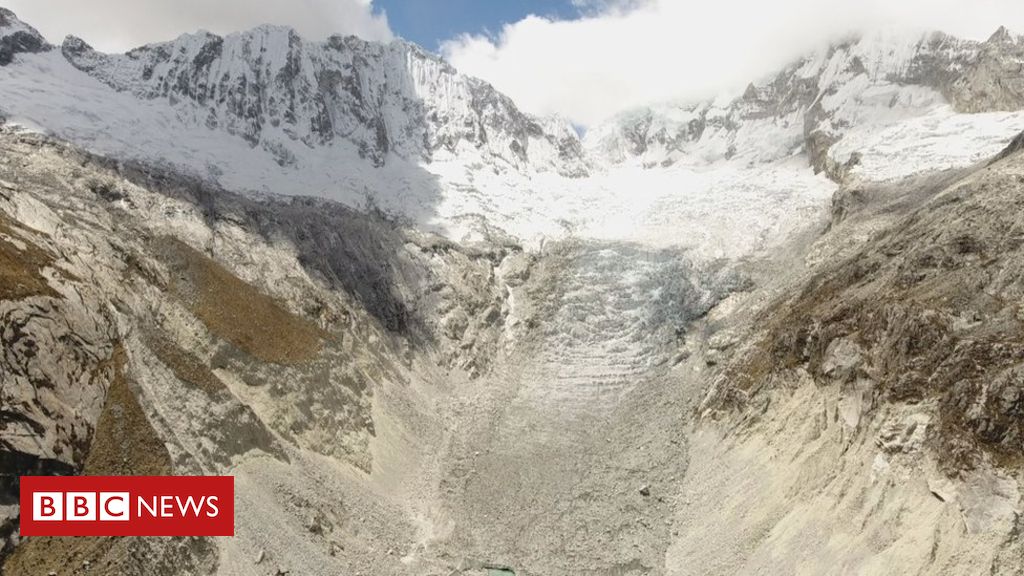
[(16, 36), (274, 89), (389, 125), (854, 90)]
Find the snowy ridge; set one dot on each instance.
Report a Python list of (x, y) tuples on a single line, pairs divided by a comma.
[(389, 125), (902, 85), (284, 94)]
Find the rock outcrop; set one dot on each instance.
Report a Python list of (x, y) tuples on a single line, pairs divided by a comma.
[(888, 379), (924, 313)]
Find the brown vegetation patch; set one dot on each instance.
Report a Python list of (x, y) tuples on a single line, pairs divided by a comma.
[(237, 311), (21, 269), (933, 306), (185, 365), (124, 443)]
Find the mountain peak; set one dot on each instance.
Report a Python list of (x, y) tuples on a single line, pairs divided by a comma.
[(286, 95), (1002, 36), (7, 17), (814, 103), (75, 44), (17, 37)]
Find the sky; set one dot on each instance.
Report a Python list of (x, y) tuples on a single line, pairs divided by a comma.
[(429, 23), (582, 59), (620, 56)]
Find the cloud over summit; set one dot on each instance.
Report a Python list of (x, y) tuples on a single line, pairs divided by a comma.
[(625, 53)]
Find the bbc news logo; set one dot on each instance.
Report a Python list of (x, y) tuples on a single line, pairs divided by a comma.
[(127, 506)]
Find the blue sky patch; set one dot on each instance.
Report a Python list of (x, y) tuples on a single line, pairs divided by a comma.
[(430, 22)]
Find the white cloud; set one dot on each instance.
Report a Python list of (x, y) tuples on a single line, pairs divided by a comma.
[(626, 53), (118, 25)]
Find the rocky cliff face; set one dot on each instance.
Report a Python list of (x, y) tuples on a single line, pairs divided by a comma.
[(988, 78), (896, 360), (923, 313), (270, 86), (227, 330)]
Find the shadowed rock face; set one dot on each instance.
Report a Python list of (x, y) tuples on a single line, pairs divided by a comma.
[(370, 256), (17, 37)]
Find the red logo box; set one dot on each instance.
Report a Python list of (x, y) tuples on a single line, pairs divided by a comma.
[(127, 506)]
